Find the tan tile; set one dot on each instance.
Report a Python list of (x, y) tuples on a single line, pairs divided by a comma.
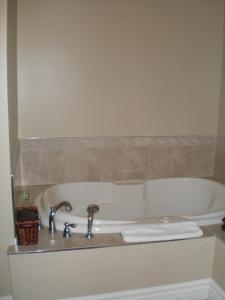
[(131, 158), (59, 166), (122, 158), (180, 161), (34, 169), (123, 163), (219, 170), (133, 175), (131, 163), (107, 160), (67, 165), (202, 161), (162, 161)]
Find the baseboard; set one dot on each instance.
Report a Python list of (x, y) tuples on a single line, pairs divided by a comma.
[(215, 292), (193, 290)]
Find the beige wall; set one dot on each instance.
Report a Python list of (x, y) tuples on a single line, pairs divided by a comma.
[(12, 80), (221, 118), (219, 167), (123, 67), (6, 223)]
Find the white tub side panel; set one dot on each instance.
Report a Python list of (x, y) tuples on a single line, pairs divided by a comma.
[(95, 271), (219, 263)]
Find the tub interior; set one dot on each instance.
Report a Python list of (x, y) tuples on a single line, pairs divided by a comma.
[(132, 201), (116, 202)]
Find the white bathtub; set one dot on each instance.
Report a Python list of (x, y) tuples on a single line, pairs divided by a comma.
[(125, 203)]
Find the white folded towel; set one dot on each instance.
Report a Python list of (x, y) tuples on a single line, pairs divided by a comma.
[(160, 232)]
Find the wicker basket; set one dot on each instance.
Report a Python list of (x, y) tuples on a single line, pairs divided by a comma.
[(27, 228)]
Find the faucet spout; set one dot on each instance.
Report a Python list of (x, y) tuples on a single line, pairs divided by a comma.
[(53, 210)]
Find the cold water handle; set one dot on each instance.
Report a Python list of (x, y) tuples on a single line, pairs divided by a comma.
[(91, 209), (67, 231)]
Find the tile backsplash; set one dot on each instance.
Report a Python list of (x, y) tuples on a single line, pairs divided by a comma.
[(58, 160), (219, 169)]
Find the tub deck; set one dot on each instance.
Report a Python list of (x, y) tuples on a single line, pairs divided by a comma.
[(78, 242)]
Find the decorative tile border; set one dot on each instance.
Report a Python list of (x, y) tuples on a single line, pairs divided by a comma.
[(58, 160), (131, 141), (219, 164)]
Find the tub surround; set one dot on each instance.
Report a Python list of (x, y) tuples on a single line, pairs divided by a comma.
[(58, 160), (219, 170), (77, 242), (44, 162)]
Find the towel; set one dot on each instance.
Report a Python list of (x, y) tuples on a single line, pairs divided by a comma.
[(160, 232)]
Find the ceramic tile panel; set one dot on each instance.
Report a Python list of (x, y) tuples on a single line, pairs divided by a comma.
[(33, 167), (180, 161), (57, 160), (16, 168), (67, 165), (128, 141), (219, 171)]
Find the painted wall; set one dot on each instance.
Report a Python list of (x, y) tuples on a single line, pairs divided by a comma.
[(219, 166), (12, 80), (122, 67), (221, 119), (6, 223)]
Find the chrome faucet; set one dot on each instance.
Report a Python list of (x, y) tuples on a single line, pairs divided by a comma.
[(91, 209), (53, 210)]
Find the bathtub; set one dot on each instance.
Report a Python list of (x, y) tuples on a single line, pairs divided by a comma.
[(125, 203)]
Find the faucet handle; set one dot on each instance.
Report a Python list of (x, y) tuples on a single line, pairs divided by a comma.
[(67, 231), (40, 225)]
